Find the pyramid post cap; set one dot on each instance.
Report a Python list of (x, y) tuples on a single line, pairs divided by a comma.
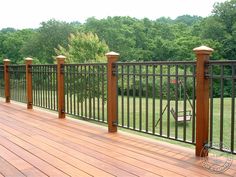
[(61, 57), (112, 54), (203, 48), (6, 60), (29, 59)]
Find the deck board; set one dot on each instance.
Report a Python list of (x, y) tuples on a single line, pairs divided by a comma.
[(37, 143)]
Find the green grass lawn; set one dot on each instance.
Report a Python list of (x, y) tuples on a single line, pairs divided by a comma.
[(147, 122)]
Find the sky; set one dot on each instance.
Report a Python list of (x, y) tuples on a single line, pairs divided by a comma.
[(21, 14)]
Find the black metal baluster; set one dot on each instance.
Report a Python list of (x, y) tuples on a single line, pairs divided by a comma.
[(71, 88), (233, 109), (128, 106), (185, 101), (153, 98), (194, 101), (147, 121), (211, 104), (85, 89), (74, 83), (134, 95), (81, 92), (94, 90), (161, 102), (103, 93), (168, 101), (47, 75), (78, 90), (221, 105), (140, 98), (176, 82), (54, 88), (98, 91), (122, 95)]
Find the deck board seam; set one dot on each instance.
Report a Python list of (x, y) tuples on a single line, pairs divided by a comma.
[(11, 166), (31, 154)]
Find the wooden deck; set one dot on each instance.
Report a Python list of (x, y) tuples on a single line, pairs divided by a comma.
[(37, 143)]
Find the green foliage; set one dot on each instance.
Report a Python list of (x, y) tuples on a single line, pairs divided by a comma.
[(11, 43), (51, 34), (188, 19), (83, 47), (163, 39), (221, 27), (134, 39), (147, 86)]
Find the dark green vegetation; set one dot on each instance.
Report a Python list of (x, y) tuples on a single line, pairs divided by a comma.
[(134, 39)]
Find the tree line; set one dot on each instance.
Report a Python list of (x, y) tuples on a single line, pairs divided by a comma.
[(135, 39)]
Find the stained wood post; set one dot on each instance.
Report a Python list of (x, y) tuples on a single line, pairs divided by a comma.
[(7, 80), (60, 86), (202, 99), (29, 89), (112, 57)]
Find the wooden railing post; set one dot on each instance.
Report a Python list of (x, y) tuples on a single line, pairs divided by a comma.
[(112, 57), (29, 89), (202, 99), (60, 86), (7, 80)]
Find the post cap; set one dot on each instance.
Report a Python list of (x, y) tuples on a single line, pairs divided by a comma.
[(112, 54), (29, 59), (203, 49), (61, 57), (6, 60)]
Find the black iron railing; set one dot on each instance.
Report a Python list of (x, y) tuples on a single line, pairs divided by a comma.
[(2, 83), (44, 83), (86, 91), (222, 75), (17, 82), (158, 98)]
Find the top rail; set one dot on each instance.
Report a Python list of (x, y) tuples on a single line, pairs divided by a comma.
[(157, 63)]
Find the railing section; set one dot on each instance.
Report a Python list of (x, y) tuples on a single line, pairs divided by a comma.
[(2, 83), (86, 91), (158, 98), (222, 75), (44, 83), (17, 82)]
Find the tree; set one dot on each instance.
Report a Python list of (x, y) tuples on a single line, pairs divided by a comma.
[(83, 47), (188, 19), (11, 42), (51, 34), (221, 27), (226, 13)]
